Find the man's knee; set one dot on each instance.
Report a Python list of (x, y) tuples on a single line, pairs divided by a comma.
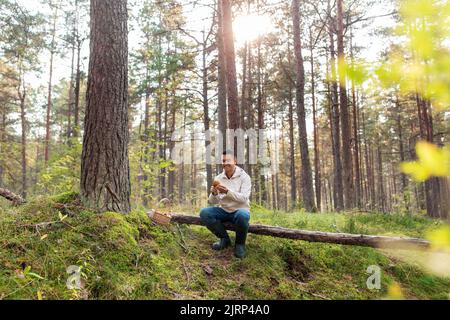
[(205, 215), (242, 217)]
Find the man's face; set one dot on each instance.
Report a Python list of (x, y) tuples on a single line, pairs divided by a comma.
[(228, 162)]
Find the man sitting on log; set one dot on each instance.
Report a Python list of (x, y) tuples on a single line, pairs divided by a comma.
[(231, 190)]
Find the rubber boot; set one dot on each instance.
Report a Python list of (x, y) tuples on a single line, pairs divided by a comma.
[(239, 246), (219, 230)]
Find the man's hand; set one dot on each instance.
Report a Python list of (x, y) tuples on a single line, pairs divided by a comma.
[(222, 189), (213, 191)]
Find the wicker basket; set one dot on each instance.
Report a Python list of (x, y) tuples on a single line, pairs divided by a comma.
[(159, 217)]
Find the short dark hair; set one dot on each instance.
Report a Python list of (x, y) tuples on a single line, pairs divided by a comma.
[(228, 151)]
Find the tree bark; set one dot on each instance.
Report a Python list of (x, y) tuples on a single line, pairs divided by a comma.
[(345, 118), (358, 193), (291, 140), (401, 151), (317, 177), (2, 143), (260, 175), (232, 91), (22, 93), (306, 173), (250, 123), (49, 94), (171, 145), (105, 174), (369, 165), (162, 146), (181, 180), (206, 119), (337, 176), (76, 120), (70, 100), (222, 86), (145, 138), (381, 192), (9, 195), (244, 99)]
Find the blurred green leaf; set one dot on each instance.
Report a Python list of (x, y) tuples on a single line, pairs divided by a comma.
[(432, 161)]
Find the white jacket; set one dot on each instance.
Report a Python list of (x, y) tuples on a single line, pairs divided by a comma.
[(238, 196)]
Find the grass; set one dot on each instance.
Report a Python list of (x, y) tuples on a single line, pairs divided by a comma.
[(127, 257)]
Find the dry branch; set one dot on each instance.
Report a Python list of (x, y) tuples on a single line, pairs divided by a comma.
[(9, 195), (318, 236)]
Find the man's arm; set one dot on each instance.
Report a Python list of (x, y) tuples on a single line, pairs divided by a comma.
[(213, 199), (244, 195)]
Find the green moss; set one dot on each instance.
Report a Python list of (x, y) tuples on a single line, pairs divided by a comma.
[(66, 197), (128, 257), (419, 284)]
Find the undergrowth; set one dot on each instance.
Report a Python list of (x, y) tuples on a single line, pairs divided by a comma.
[(128, 257)]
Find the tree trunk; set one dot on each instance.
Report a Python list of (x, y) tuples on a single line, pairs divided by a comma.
[(261, 178), (337, 176), (49, 95), (23, 123), (330, 103), (76, 114), (306, 173), (284, 156), (23, 147), (171, 175), (222, 87), (318, 236), (145, 140), (401, 151), (76, 120), (381, 192), (425, 135), (181, 181), (105, 174), (291, 140), (244, 99), (162, 147), (2, 143), (71, 99), (345, 118), (232, 91), (250, 123), (206, 119), (273, 182), (193, 186), (358, 193), (363, 177), (357, 197), (245, 102), (369, 183), (317, 177)]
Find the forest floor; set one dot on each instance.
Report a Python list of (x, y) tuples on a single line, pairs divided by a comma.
[(128, 257)]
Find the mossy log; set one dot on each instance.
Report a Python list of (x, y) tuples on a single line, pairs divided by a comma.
[(319, 236)]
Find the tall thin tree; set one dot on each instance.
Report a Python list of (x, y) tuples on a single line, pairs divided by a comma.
[(222, 82), (306, 172), (230, 58), (52, 49), (345, 117)]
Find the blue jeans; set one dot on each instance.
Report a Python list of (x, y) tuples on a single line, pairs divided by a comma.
[(240, 218)]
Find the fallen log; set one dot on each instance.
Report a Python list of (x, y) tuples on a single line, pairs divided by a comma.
[(307, 235), (11, 196)]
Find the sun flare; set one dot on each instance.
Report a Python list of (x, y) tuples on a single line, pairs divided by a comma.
[(248, 28)]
